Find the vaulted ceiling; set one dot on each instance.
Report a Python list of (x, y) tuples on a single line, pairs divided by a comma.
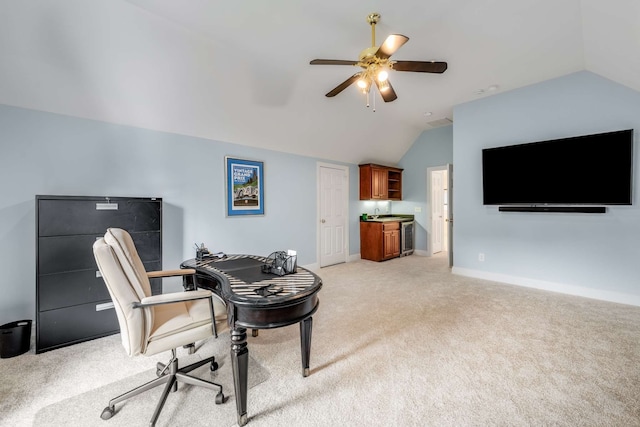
[(238, 71)]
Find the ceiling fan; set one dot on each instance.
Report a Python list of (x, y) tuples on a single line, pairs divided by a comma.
[(376, 65)]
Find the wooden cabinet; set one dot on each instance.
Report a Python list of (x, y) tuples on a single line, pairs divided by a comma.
[(379, 182), (72, 302), (379, 241), (391, 240), (394, 183)]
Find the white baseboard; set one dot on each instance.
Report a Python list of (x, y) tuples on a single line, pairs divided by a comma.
[(562, 288), (313, 267), (316, 265)]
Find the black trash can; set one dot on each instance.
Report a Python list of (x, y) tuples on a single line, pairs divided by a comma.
[(15, 338)]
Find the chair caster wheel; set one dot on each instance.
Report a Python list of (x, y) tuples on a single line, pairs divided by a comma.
[(219, 398), (108, 412), (214, 366)]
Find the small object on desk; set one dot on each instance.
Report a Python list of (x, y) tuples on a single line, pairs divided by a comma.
[(281, 263), (201, 252), (292, 261), (268, 290)]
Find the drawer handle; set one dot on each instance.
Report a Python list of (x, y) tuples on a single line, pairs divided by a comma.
[(106, 206), (98, 274), (104, 306)]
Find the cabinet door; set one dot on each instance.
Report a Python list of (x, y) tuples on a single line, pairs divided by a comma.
[(391, 244), (387, 244), (379, 184), (391, 240), (371, 241), (395, 242)]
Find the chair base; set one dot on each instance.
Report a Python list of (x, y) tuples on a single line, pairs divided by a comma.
[(169, 375)]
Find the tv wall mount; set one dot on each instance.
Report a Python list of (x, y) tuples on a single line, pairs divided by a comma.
[(557, 209)]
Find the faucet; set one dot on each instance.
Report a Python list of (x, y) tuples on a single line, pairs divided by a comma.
[(376, 211)]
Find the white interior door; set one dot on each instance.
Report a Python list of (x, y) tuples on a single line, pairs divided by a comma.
[(450, 212), (437, 211), (333, 210)]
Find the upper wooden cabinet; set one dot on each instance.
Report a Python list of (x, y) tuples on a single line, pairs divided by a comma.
[(379, 182)]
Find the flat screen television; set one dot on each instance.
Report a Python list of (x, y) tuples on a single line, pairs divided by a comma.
[(582, 170)]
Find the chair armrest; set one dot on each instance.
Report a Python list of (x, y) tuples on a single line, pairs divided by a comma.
[(170, 273), (173, 297)]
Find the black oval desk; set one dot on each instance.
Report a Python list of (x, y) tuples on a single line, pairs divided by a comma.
[(257, 300)]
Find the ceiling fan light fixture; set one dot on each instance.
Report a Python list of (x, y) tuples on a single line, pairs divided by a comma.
[(383, 86), (364, 84), (376, 65)]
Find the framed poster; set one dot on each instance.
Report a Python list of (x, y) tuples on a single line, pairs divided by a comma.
[(245, 187)]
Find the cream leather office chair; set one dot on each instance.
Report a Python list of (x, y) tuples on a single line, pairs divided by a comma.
[(154, 324)]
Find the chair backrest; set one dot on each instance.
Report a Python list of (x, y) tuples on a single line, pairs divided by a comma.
[(127, 282)]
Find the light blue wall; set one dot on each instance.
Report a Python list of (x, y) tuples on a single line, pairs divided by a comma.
[(432, 148), (43, 153), (595, 255)]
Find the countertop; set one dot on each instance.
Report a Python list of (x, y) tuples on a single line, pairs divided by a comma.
[(389, 218)]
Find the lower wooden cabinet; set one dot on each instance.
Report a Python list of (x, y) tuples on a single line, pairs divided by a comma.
[(379, 241)]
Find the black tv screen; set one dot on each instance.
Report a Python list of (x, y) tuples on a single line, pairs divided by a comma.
[(583, 170)]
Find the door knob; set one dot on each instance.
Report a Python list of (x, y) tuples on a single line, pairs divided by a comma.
[(323, 221)]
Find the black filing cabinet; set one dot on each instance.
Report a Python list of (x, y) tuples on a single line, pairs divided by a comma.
[(72, 301)]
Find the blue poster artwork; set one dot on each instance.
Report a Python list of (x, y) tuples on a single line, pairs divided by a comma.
[(245, 187)]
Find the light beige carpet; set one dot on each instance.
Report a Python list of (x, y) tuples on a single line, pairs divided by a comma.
[(188, 406), (399, 343)]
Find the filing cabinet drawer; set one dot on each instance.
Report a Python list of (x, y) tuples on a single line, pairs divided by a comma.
[(68, 325), (71, 253), (78, 287), (70, 217)]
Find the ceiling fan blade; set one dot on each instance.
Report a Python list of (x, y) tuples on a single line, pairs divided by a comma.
[(420, 66), (390, 45), (332, 62), (388, 94), (342, 86)]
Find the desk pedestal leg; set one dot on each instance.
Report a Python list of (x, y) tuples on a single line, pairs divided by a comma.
[(240, 364), (305, 344)]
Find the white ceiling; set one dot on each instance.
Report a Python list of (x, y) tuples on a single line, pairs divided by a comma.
[(238, 71)]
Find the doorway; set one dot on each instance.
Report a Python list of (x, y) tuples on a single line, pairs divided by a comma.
[(439, 202), (333, 214)]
